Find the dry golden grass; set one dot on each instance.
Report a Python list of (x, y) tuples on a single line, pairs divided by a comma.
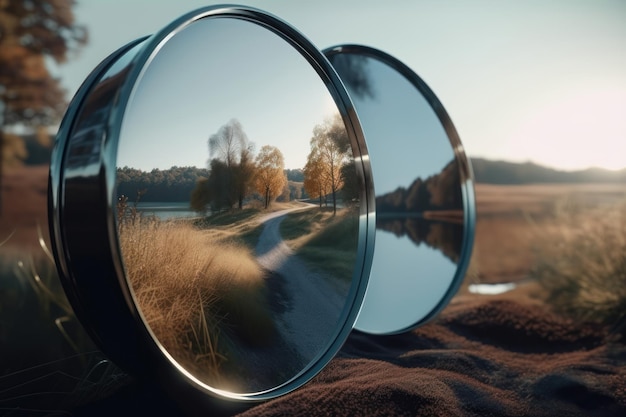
[(512, 219), (581, 262), (199, 294), (568, 242)]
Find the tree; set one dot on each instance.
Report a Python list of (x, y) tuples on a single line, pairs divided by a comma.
[(270, 178), (330, 150), (351, 189), (14, 150), (30, 32), (314, 177), (200, 196), (231, 146)]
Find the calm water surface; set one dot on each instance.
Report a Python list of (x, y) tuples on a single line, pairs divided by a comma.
[(167, 210)]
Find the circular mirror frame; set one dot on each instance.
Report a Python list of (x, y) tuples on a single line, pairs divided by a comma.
[(84, 233), (465, 170)]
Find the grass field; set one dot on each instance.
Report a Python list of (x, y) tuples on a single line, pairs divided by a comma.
[(512, 221), (568, 240), (325, 241)]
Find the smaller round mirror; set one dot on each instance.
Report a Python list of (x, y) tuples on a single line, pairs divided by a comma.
[(424, 192)]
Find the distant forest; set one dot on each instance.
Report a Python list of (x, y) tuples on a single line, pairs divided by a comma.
[(176, 183), (503, 172), (437, 192), (485, 171)]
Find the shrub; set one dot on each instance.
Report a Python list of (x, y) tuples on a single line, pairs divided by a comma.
[(582, 263)]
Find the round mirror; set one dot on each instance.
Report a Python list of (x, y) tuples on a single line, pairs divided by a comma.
[(210, 198), (424, 193)]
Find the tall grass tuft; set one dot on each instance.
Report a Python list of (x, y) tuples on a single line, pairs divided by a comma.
[(48, 365), (200, 295), (582, 264)]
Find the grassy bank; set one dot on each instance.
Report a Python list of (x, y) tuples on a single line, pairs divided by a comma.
[(324, 241), (201, 295)]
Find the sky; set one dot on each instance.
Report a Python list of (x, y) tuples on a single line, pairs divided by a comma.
[(193, 87), (522, 81)]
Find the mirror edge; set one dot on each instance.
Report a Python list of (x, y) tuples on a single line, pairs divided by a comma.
[(465, 170)]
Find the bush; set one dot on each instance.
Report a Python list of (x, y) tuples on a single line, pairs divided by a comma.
[(582, 264)]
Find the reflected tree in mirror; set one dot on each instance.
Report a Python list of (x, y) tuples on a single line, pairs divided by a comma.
[(328, 162), (420, 176)]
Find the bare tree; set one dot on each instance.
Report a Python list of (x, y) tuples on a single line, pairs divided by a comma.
[(270, 178), (229, 143), (230, 146)]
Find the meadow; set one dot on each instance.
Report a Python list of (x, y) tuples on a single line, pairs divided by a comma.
[(568, 241), (200, 291), (324, 241)]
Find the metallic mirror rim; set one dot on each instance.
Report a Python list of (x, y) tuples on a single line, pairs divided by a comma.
[(465, 167), (83, 221), (56, 192)]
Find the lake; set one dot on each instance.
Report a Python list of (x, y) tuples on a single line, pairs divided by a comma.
[(167, 210), (409, 276)]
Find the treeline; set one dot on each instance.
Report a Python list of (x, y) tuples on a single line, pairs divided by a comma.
[(177, 183), (485, 170), (173, 184), (437, 192), (503, 172)]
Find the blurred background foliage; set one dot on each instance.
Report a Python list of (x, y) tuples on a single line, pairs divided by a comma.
[(47, 363), (32, 32)]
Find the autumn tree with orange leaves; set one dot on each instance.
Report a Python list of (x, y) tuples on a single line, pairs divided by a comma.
[(30, 32), (330, 151), (270, 179)]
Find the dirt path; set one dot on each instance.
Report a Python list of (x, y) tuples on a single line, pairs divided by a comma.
[(312, 306)]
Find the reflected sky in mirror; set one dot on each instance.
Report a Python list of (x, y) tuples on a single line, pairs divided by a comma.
[(419, 204), (236, 209), (405, 138), (217, 86), (425, 263)]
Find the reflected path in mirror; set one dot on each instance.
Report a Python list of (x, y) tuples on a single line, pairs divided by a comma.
[(423, 191), (237, 205)]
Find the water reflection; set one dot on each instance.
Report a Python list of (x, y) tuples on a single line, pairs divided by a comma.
[(420, 184), (443, 236), (428, 211)]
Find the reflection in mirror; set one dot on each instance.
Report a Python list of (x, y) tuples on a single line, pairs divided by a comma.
[(238, 205), (424, 212)]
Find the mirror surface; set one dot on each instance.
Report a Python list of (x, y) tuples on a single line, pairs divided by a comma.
[(421, 190), (237, 205)]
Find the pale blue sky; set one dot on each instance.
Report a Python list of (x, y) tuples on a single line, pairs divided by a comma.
[(522, 80), (194, 86)]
